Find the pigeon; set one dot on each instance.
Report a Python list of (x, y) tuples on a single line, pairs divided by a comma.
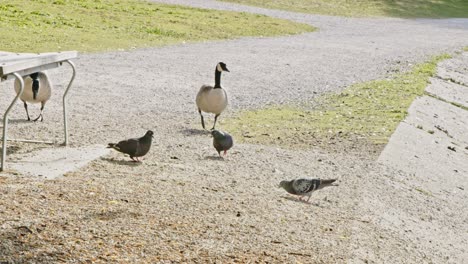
[(135, 147), (37, 89), (222, 141), (305, 187), (212, 99)]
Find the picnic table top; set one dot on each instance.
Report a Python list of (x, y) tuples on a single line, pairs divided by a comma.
[(27, 63)]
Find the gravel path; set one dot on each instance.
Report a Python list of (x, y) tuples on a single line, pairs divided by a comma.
[(184, 204)]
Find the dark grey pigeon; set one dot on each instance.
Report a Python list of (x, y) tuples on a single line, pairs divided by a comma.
[(305, 187), (135, 147), (222, 141)]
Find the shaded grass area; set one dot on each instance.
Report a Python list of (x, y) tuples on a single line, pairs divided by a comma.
[(364, 8), (96, 25), (361, 115)]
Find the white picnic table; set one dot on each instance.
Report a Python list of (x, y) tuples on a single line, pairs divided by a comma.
[(17, 65)]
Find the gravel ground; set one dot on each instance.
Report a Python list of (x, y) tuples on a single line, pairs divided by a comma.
[(185, 204)]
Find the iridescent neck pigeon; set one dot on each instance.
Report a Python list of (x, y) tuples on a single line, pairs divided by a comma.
[(222, 141), (305, 187), (135, 147)]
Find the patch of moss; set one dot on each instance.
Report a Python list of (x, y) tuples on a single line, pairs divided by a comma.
[(423, 191), (97, 25), (365, 113)]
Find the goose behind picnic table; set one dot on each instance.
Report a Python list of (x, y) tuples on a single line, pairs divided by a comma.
[(37, 89), (213, 99)]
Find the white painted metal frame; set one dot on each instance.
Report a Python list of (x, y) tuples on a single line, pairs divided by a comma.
[(65, 127), (31, 63), (5, 120)]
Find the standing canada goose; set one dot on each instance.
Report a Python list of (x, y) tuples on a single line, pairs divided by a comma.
[(37, 89), (213, 99)]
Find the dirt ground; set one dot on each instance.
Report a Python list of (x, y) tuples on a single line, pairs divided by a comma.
[(183, 203)]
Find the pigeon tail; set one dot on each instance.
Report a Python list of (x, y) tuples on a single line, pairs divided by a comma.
[(328, 181)]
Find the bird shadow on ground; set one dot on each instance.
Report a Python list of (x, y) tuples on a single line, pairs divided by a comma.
[(17, 121), (217, 158), (194, 132), (122, 162), (294, 199), (12, 149)]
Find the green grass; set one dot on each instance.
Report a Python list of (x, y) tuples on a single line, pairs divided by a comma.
[(97, 25), (363, 113), (365, 8)]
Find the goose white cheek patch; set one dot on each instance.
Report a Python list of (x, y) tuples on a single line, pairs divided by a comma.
[(219, 67)]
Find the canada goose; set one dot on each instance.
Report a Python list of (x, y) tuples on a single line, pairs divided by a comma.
[(222, 141), (37, 89), (135, 147), (305, 187), (213, 99)]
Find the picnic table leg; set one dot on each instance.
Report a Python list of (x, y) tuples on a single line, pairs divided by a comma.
[(65, 102), (5, 120)]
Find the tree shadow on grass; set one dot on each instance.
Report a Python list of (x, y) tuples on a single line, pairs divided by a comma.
[(425, 8)]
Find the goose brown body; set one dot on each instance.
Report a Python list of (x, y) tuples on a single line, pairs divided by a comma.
[(210, 100), (41, 95)]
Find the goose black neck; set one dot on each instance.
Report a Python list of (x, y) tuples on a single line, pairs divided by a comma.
[(35, 84), (217, 79)]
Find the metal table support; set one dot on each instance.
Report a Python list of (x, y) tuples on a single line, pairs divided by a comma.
[(5, 119), (37, 62), (65, 143)]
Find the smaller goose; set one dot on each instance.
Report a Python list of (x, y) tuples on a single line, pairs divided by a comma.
[(37, 89), (135, 147), (222, 141), (305, 187), (212, 99)]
